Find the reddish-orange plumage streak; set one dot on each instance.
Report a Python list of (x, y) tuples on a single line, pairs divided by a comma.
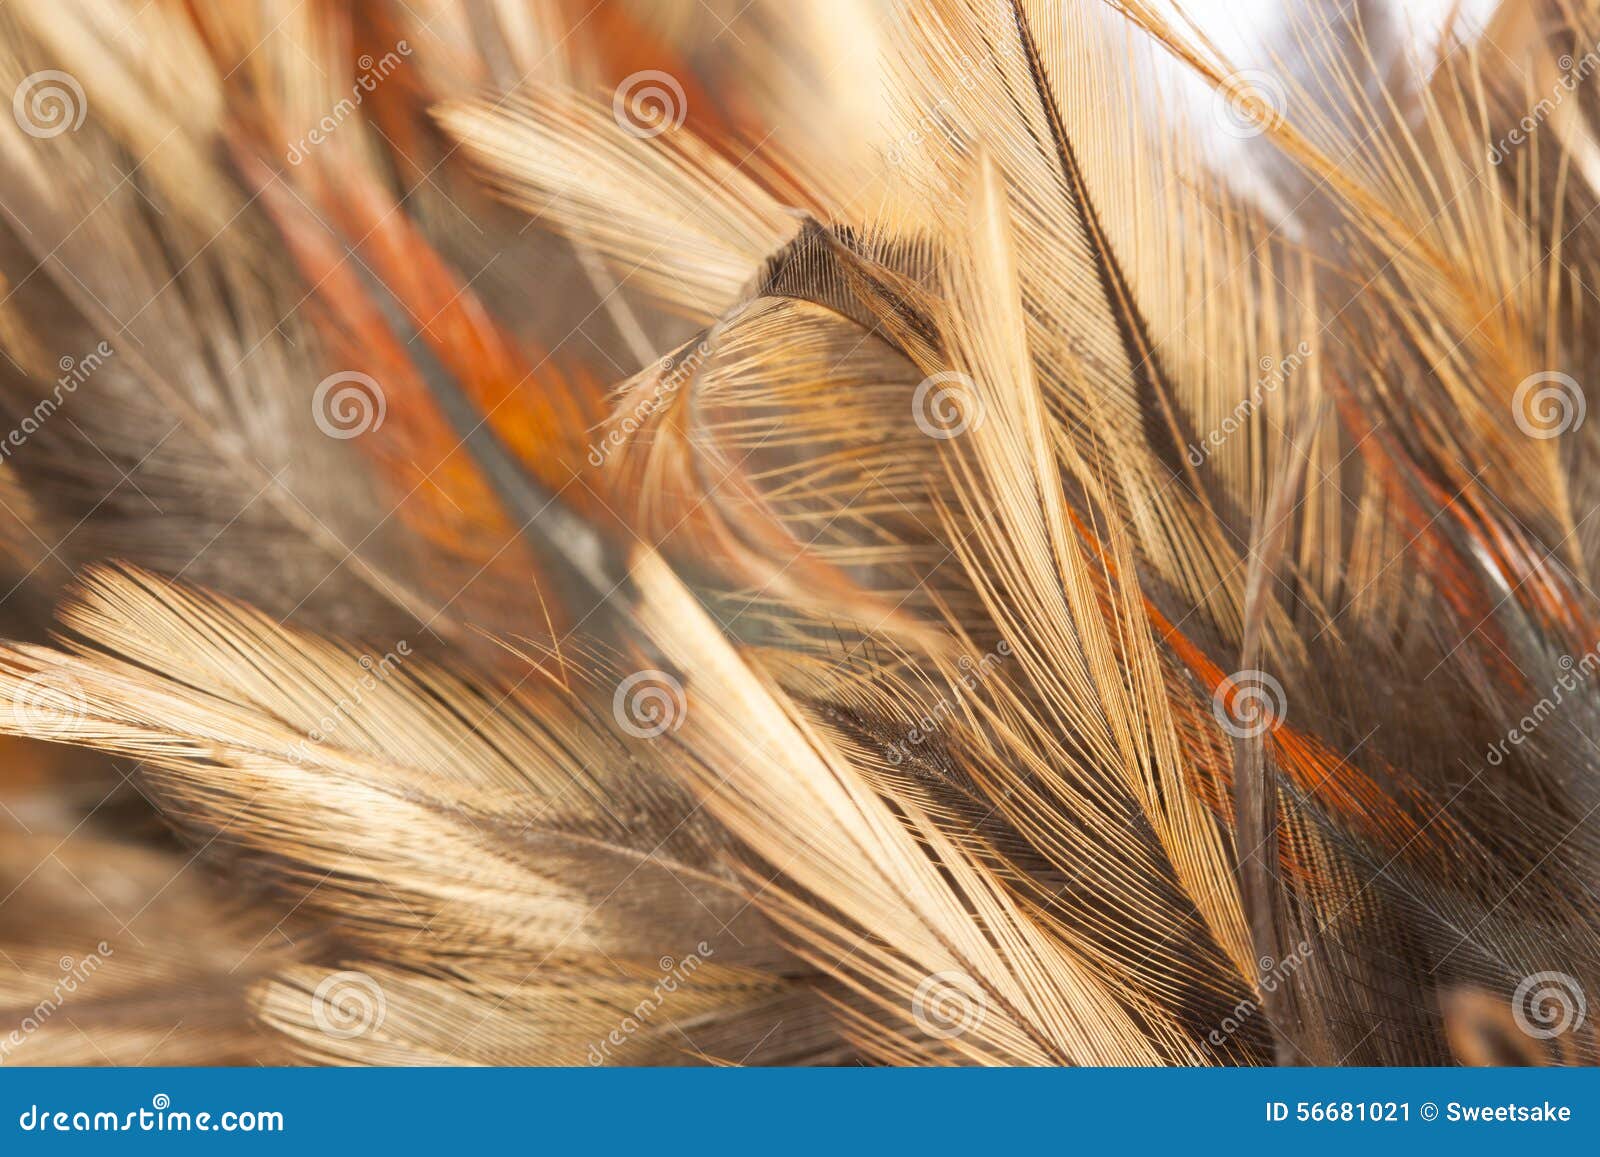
[(434, 477), (1308, 762)]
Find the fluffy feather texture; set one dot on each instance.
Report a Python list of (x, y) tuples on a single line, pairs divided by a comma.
[(866, 544)]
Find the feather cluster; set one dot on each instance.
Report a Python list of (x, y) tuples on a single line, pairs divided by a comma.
[(955, 532)]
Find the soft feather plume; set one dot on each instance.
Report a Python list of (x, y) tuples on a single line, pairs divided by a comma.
[(559, 537)]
